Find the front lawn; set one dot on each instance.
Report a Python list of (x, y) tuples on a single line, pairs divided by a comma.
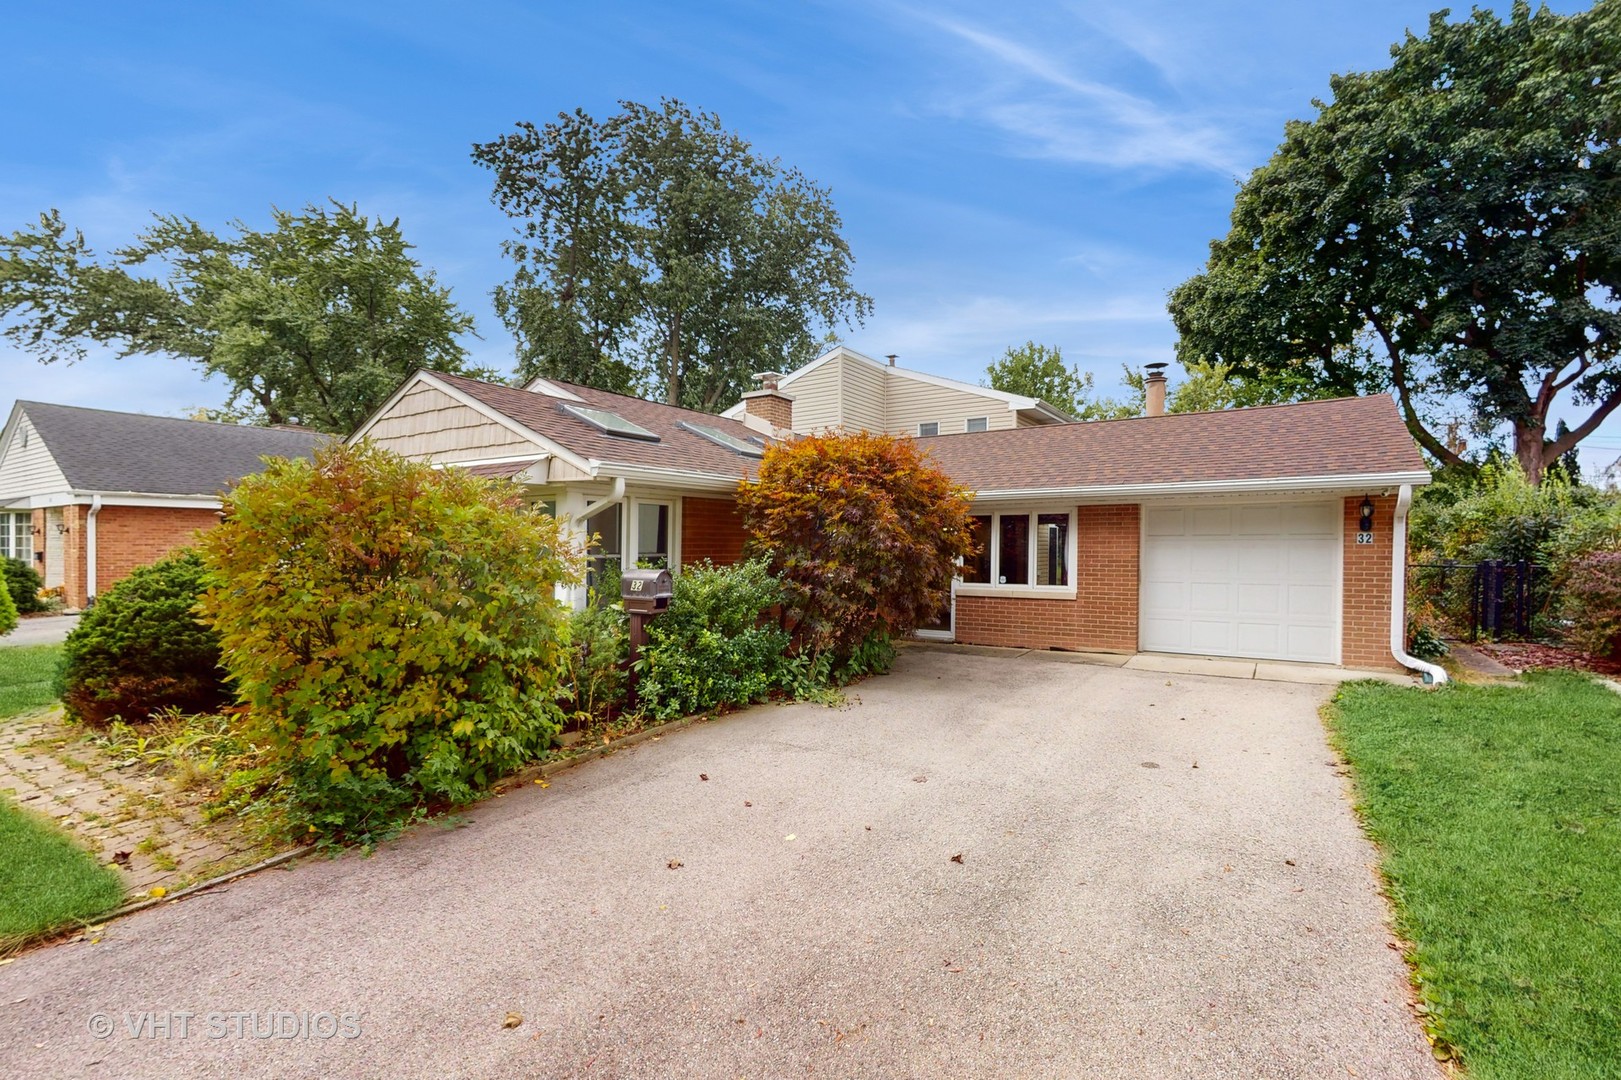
[(1498, 810), (27, 675), (47, 880)]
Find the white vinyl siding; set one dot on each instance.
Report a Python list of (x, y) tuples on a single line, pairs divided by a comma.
[(864, 402), (1254, 580), (912, 403), (28, 468), (816, 398), (428, 423)]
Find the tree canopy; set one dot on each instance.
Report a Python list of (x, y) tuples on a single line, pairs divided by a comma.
[(314, 321), (1039, 371), (657, 252), (1444, 229)]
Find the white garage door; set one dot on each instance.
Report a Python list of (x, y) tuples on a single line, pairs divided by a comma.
[(1255, 580)]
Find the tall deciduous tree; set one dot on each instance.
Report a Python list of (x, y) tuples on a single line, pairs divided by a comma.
[(1445, 227), (314, 321), (657, 251), (1039, 371)]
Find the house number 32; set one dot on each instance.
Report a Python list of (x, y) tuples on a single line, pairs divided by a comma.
[(1364, 538)]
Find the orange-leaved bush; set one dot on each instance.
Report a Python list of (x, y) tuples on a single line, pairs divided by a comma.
[(392, 629), (865, 533)]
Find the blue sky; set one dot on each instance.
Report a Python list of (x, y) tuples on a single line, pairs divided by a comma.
[(1005, 172)]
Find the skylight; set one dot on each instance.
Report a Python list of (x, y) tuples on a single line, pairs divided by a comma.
[(608, 423), (721, 438)]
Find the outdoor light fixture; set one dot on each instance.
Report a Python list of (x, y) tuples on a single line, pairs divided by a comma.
[(1366, 525)]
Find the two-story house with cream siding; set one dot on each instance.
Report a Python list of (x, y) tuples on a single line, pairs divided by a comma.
[(843, 390)]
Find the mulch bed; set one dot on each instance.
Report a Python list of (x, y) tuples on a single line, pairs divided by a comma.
[(1529, 654)]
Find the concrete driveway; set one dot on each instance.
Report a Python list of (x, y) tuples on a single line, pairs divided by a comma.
[(1159, 876), (40, 630)]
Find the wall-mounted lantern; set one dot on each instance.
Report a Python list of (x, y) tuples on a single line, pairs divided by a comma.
[(1364, 525)]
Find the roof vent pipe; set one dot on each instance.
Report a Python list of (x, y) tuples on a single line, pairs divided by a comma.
[(1154, 389), (891, 357)]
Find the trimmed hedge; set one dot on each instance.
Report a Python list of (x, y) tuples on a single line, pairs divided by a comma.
[(23, 583), (141, 649)]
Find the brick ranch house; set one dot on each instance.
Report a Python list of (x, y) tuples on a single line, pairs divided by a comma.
[(87, 495), (1227, 534)]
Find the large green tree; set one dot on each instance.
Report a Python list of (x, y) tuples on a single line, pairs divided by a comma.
[(1445, 229), (656, 251), (314, 321), (1039, 371)]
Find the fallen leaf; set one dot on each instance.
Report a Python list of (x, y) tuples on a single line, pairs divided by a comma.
[(920, 779), (747, 803), (869, 828), (703, 776), (1195, 764), (1288, 862), (675, 864), (957, 858), (542, 783), (512, 1020), (790, 836), (157, 892), (121, 858)]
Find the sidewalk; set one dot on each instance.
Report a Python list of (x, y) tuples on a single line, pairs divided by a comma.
[(40, 630)]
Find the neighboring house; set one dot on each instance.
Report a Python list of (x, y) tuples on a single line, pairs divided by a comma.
[(842, 390), (1233, 533), (87, 495)]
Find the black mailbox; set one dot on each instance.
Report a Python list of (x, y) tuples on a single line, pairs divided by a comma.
[(645, 592)]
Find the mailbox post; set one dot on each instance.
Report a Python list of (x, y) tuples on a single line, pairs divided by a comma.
[(645, 594)]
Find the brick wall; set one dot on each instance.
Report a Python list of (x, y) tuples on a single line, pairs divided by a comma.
[(126, 537), (710, 529), (770, 406), (1103, 615), (1365, 608)]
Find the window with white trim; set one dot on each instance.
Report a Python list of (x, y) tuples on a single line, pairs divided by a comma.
[(977, 423), (1027, 550), (653, 535), (17, 535), (927, 428)]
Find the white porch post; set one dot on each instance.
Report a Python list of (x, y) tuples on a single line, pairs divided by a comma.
[(571, 518)]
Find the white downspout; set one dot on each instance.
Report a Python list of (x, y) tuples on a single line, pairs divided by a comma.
[(90, 549), (1433, 673), (615, 496)]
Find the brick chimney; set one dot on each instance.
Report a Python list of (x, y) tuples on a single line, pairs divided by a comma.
[(769, 403), (1154, 387)]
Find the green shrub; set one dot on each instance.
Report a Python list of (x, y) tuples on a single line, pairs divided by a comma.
[(141, 649), (716, 645), (392, 629), (1424, 643), (1592, 603), (8, 613), (24, 584), (594, 684), (1503, 516)]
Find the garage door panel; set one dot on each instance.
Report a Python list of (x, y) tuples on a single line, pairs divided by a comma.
[(1256, 599), (1262, 521), (1162, 522), (1210, 521), (1310, 602), (1258, 580)]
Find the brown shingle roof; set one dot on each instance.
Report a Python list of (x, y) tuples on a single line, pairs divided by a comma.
[(1342, 437), (677, 448), (502, 471)]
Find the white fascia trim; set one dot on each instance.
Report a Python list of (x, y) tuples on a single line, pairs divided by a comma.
[(1358, 481), (117, 498), (536, 458), (538, 385), (676, 479), (555, 449), (10, 430)]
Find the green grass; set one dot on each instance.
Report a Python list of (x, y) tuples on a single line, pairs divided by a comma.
[(1498, 809), (47, 881), (27, 673)]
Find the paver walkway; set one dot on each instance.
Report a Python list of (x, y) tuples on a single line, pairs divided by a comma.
[(129, 817)]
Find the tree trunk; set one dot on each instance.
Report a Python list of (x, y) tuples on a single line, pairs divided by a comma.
[(1531, 448), (672, 395)]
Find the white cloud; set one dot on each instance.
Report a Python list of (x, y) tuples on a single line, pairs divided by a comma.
[(1052, 112)]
